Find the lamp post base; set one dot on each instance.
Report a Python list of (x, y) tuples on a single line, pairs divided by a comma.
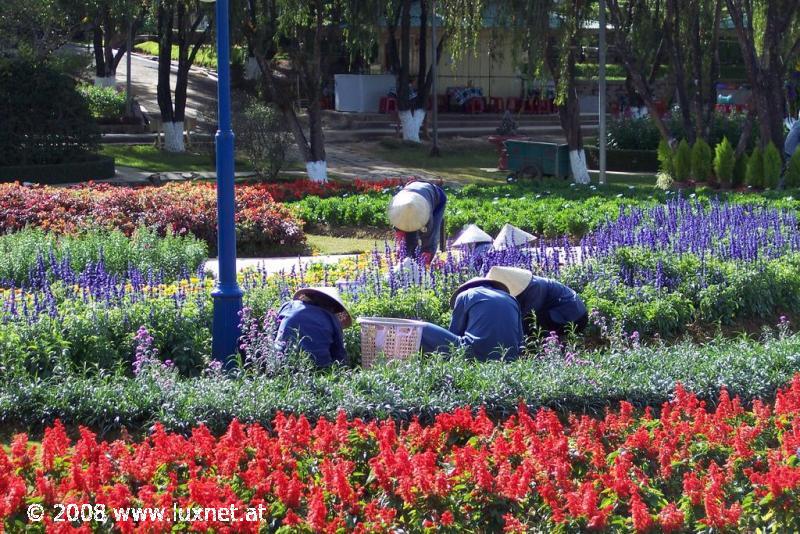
[(225, 329)]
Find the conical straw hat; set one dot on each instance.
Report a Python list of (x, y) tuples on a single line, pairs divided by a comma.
[(471, 235), (475, 282), (332, 294), (409, 211), (514, 278), (511, 237)]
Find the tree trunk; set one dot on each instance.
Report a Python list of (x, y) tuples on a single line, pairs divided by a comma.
[(316, 165), (173, 136), (747, 129), (163, 91), (675, 45), (637, 77), (766, 72), (102, 76), (569, 112)]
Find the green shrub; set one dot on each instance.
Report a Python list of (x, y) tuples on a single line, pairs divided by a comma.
[(772, 166), (43, 119), (792, 177), (105, 103), (665, 158), (724, 163), (683, 162), (702, 161), (664, 181), (418, 387), (628, 133), (740, 170), (755, 169), (262, 135), (641, 134)]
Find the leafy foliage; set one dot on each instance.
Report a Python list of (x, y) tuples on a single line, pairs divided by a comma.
[(425, 386), (262, 135), (724, 163), (683, 161), (792, 176), (772, 166), (45, 120), (755, 169), (624, 471), (702, 161), (31, 254), (105, 103), (665, 158)]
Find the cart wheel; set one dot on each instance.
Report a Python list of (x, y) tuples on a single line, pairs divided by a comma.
[(531, 171)]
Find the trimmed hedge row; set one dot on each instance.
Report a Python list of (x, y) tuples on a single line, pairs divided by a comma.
[(93, 167), (423, 387)]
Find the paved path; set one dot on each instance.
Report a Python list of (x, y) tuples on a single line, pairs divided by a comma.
[(350, 162), (132, 176), (274, 265)]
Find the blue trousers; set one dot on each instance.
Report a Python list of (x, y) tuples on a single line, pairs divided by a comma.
[(438, 339), (792, 140)]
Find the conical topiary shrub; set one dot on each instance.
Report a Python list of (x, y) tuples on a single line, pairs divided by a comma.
[(724, 162)]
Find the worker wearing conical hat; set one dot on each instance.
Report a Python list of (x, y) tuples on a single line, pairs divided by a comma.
[(417, 214), (555, 307), (486, 323), (473, 240), (313, 320), (512, 237)]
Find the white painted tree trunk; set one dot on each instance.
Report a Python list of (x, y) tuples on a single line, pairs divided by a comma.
[(173, 137), (107, 81), (411, 122), (577, 161), (251, 69), (317, 171)]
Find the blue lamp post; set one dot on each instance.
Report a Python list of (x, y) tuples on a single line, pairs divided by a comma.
[(227, 295)]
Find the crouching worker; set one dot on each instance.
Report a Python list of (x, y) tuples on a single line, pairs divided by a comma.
[(556, 307), (314, 320), (417, 213), (486, 323)]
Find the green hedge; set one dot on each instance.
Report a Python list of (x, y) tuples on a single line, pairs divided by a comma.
[(624, 160), (93, 167), (645, 376)]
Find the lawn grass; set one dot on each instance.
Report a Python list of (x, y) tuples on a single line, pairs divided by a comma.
[(206, 56), (464, 164), (326, 245), (150, 158), (473, 164)]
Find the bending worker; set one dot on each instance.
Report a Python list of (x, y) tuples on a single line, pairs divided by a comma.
[(486, 323), (556, 307), (417, 213), (314, 320)]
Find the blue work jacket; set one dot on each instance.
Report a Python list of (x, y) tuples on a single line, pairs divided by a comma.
[(427, 238), (486, 319), (556, 301), (319, 331)]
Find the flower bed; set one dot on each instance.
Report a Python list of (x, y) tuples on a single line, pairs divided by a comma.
[(689, 469), (261, 223), (646, 274), (549, 209), (29, 256)]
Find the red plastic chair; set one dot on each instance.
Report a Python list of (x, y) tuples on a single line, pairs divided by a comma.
[(496, 104), (387, 104), (475, 105), (513, 104)]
